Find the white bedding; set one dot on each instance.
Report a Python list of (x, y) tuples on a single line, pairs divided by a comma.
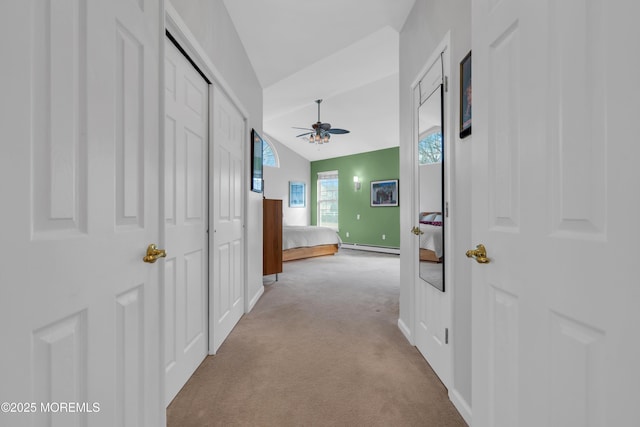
[(297, 236), (432, 238)]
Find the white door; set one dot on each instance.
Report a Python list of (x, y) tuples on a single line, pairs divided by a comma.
[(432, 306), (227, 246), (79, 309), (186, 219), (555, 202)]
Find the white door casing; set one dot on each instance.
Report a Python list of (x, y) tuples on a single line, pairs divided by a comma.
[(79, 310), (555, 311), (227, 208), (432, 307), (186, 219)]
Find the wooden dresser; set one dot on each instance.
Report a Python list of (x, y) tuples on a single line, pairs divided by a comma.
[(272, 237)]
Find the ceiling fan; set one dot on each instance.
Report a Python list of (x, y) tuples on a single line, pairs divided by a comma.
[(320, 132)]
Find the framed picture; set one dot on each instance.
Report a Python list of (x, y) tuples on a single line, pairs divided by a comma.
[(296, 194), (256, 162), (384, 193), (465, 96)]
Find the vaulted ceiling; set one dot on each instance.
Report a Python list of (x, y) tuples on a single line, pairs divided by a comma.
[(342, 51)]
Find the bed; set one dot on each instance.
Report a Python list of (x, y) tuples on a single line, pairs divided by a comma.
[(300, 242), (431, 247)]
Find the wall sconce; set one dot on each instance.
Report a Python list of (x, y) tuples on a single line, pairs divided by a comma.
[(356, 183)]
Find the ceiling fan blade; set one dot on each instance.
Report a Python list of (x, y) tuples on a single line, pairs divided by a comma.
[(338, 131), (320, 132)]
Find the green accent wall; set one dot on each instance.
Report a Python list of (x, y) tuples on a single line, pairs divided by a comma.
[(374, 221)]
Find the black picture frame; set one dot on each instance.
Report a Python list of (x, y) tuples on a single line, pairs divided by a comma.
[(257, 181), (465, 96), (385, 193)]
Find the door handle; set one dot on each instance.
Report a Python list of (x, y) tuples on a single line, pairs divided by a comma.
[(479, 253), (417, 231), (153, 254)]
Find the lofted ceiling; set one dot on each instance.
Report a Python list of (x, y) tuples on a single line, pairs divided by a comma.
[(344, 52)]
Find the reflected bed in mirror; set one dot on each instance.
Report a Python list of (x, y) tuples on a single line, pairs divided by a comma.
[(430, 183), (431, 248)]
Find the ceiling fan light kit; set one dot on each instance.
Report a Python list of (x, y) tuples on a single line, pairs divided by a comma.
[(315, 138), (320, 132)]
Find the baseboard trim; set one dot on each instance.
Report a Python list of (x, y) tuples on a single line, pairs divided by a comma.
[(405, 331), (383, 249), (255, 298), (461, 405)]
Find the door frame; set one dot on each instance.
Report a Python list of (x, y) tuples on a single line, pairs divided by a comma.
[(195, 53), (449, 132)]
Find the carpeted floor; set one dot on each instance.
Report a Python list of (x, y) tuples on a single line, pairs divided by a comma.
[(320, 348), (431, 272)]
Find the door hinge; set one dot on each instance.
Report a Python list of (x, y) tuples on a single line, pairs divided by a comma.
[(446, 84), (446, 209), (446, 335)]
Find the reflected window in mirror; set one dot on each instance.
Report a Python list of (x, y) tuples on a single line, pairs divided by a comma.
[(430, 147), (269, 154)]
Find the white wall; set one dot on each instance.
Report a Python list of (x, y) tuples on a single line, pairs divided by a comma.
[(293, 167), (425, 28), (211, 25)]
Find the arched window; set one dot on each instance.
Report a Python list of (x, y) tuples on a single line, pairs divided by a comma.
[(269, 154), (430, 147)]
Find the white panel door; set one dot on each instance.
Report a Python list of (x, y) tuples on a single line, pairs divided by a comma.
[(432, 306), (79, 309), (555, 311), (227, 247), (186, 219)]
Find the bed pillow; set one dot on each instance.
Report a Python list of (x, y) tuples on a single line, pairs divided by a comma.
[(427, 217)]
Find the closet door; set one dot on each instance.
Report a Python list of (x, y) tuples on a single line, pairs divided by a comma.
[(227, 246), (186, 219)]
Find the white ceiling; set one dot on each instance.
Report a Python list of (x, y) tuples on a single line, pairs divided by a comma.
[(342, 51)]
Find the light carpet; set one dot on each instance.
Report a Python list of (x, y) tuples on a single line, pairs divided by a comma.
[(320, 348), (432, 273)]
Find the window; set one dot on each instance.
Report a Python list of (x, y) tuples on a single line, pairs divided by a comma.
[(328, 199), (269, 156), (430, 147)]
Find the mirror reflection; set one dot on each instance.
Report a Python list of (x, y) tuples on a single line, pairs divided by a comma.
[(430, 183)]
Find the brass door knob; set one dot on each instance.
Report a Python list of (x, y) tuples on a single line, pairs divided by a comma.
[(479, 253), (417, 231), (153, 254)]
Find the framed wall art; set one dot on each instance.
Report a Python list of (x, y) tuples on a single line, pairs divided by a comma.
[(384, 193), (297, 193), (465, 96)]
